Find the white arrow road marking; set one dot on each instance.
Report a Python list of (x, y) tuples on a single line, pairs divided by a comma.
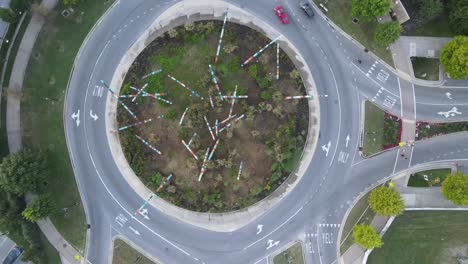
[(76, 116), (272, 243), (93, 116), (347, 140), (134, 230), (144, 213), (449, 95), (259, 229), (452, 112), (326, 148)]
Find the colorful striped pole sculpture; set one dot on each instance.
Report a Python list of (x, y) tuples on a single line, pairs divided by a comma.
[(220, 39), (229, 125), (227, 119), (235, 97), (224, 128), (203, 167), (209, 128), (190, 150), (164, 182), (214, 149), (215, 81), (144, 204), (151, 74), (121, 103), (260, 51), (162, 100), (216, 127), (186, 87), (240, 170), (144, 94), (191, 139), (183, 116), (277, 61), (211, 101), (232, 102), (298, 97), (135, 124), (239, 118), (139, 92), (149, 145)]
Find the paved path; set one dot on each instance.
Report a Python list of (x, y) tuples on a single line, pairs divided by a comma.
[(65, 250)]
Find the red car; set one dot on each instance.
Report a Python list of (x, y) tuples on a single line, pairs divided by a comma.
[(281, 14)]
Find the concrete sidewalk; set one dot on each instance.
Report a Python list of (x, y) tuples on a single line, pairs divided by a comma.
[(66, 251)]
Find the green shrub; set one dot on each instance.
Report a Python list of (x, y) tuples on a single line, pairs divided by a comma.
[(387, 33), (263, 83), (265, 95), (253, 71), (171, 114), (234, 65)]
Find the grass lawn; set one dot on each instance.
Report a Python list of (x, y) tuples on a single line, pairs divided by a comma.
[(425, 68), (47, 77), (417, 179), (361, 214), (373, 129), (429, 237), (125, 254), (339, 11), (292, 255)]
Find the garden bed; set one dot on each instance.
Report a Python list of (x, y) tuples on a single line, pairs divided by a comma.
[(293, 255), (425, 68), (268, 140), (427, 130), (381, 130), (429, 178)]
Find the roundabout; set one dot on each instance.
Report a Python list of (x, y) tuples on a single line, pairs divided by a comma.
[(310, 205)]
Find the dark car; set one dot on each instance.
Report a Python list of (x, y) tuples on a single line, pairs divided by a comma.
[(14, 254), (307, 9)]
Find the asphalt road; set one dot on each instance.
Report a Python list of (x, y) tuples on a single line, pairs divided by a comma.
[(333, 179)]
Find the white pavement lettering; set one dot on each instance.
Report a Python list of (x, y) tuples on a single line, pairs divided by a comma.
[(389, 101), (452, 112), (93, 116), (343, 157), (347, 140), (327, 238), (326, 148), (121, 220), (134, 230), (259, 229), (272, 243), (98, 90), (76, 116)]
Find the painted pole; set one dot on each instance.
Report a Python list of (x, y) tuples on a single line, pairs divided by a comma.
[(232, 102), (144, 94), (192, 92), (235, 97), (121, 103), (214, 149), (260, 51), (227, 119), (190, 150), (298, 97), (227, 126), (209, 128), (211, 101), (240, 170), (277, 61), (215, 81), (164, 182), (220, 39), (216, 127), (162, 100), (191, 139), (183, 116), (144, 204), (149, 145), (135, 124), (139, 92), (203, 167), (151, 74)]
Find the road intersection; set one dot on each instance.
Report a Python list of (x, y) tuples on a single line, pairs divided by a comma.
[(314, 210)]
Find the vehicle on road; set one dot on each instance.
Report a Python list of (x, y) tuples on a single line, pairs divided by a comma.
[(281, 14), (307, 9), (13, 255)]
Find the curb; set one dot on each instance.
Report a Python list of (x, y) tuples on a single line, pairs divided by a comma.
[(132, 245)]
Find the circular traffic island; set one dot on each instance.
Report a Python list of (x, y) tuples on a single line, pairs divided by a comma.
[(212, 133)]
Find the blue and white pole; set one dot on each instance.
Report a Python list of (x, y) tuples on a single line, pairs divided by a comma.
[(121, 103), (220, 39), (260, 51)]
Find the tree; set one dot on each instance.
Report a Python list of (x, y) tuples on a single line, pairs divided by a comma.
[(7, 15), (387, 33), (455, 189), (458, 20), (19, 5), (454, 57), (40, 207), (366, 237), (367, 10), (22, 172), (429, 9), (386, 201), (70, 2)]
